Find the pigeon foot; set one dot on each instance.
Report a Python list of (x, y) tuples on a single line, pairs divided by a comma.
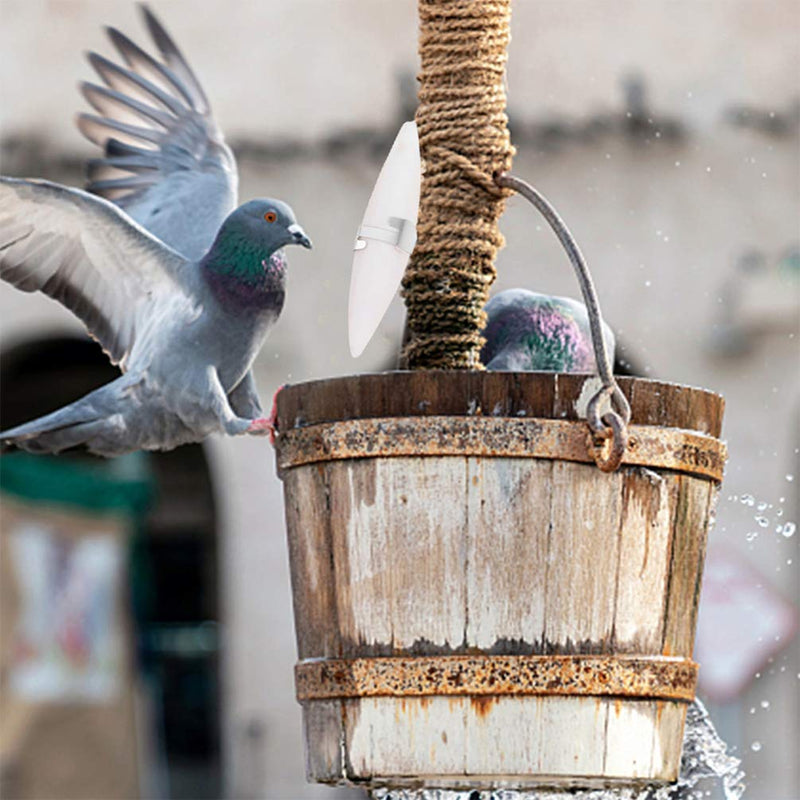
[(272, 419), (262, 427)]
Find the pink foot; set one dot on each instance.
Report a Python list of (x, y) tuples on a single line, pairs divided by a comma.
[(262, 427), (269, 426)]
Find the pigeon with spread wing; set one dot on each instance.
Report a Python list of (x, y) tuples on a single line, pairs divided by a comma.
[(178, 287)]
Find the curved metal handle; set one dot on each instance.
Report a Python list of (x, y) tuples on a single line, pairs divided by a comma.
[(609, 428)]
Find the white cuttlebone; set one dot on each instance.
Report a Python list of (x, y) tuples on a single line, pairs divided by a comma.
[(385, 239)]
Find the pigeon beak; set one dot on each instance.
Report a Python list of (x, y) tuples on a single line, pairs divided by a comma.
[(299, 236)]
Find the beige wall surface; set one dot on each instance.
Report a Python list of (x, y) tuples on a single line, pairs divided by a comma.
[(664, 216)]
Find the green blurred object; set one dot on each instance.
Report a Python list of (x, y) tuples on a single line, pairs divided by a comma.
[(122, 485)]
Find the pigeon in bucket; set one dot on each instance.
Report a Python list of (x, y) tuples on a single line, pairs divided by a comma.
[(527, 331)]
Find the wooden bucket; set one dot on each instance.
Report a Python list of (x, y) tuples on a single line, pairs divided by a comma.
[(476, 604)]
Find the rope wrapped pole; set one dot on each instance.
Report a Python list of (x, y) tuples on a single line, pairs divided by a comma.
[(464, 142)]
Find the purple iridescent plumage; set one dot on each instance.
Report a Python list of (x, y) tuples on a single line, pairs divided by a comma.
[(528, 332)]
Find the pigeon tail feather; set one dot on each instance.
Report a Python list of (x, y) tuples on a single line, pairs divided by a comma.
[(76, 413), (69, 426)]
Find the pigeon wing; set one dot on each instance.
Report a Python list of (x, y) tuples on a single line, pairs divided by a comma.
[(165, 160), (84, 252)]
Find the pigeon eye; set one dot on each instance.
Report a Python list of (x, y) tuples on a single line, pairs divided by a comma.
[(270, 216)]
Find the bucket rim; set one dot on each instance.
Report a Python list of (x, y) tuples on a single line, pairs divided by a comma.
[(465, 393)]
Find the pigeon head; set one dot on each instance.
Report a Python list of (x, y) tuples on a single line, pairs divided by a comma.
[(269, 224), (248, 246)]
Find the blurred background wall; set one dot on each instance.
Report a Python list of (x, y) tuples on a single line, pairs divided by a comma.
[(667, 135)]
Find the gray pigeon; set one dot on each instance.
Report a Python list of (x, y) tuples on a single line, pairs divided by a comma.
[(178, 291), (527, 332)]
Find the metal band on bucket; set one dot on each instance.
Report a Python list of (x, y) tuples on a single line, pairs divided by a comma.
[(645, 677), (566, 440)]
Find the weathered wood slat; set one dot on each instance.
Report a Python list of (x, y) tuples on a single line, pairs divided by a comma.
[(630, 727), (406, 737), (322, 725), (690, 526), (508, 501), (581, 577), (310, 556), (427, 552), (668, 738), (362, 560), (648, 501)]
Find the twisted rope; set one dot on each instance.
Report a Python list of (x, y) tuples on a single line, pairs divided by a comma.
[(464, 142)]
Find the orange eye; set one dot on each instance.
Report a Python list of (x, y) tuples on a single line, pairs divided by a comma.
[(270, 216)]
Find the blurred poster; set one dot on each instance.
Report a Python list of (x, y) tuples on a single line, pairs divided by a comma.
[(742, 623), (66, 640), (67, 688)]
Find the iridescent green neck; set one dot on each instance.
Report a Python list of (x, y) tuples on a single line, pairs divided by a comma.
[(236, 257)]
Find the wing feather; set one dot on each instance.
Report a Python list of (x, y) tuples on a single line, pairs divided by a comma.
[(84, 252), (165, 160)]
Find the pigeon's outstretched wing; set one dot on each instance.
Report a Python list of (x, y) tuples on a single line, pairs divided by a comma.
[(165, 160), (84, 252)]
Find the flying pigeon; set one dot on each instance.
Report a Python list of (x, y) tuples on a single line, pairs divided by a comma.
[(179, 288), (526, 332)]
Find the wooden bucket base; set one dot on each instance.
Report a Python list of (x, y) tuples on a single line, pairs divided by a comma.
[(491, 742)]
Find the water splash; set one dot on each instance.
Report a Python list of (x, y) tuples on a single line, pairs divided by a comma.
[(705, 758)]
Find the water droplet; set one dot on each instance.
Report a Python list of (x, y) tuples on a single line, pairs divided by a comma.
[(789, 529), (648, 283), (789, 562), (751, 536), (755, 747), (708, 169), (779, 512), (748, 500), (677, 163), (762, 506), (790, 477), (765, 704), (762, 521), (752, 709)]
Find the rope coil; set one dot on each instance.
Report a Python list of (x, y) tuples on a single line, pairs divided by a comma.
[(464, 140)]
